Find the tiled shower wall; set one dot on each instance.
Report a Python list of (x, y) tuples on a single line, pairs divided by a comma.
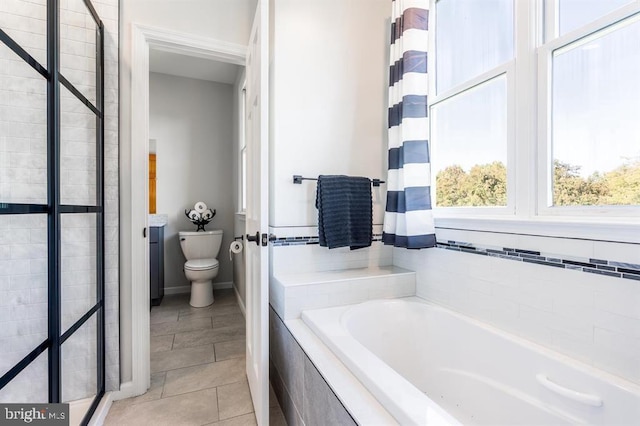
[(23, 161), (590, 317)]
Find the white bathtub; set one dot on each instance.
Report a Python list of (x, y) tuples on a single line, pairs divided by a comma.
[(428, 365)]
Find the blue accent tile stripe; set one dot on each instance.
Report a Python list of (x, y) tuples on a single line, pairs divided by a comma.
[(309, 240), (608, 268)]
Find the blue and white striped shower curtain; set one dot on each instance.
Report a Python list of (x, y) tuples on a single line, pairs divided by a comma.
[(408, 220)]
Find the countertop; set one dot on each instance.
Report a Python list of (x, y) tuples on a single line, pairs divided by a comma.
[(158, 220)]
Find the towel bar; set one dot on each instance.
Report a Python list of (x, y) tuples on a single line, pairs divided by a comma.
[(298, 180)]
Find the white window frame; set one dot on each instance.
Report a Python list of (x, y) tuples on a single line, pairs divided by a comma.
[(528, 97)]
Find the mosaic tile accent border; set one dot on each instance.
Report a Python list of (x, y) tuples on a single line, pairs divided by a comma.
[(594, 266), (305, 241)]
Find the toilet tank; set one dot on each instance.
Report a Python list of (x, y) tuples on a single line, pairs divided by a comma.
[(200, 245)]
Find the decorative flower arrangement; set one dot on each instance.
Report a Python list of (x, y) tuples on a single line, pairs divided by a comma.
[(200, 215)]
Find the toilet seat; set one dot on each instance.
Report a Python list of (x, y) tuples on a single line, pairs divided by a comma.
[(201, 264)]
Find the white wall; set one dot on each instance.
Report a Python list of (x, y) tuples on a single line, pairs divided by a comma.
[(192, 123), (328, 108), (593, 318)]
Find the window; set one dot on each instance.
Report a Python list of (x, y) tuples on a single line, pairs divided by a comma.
[(535, 108), (474, 47)]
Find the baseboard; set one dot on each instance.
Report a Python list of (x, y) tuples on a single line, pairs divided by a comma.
[(222, 286), (240, 302), (183, 289), (126, 391), (177, 290), (100, 415)]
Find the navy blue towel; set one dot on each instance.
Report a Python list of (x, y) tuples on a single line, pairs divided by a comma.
[(345, 211)]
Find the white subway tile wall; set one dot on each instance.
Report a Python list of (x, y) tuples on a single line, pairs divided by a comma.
[(23, 162), (78, 269), (79, 361), (23, 288), (593, 318), (23, 131), (291, 259), (77, 151), (31, 384)]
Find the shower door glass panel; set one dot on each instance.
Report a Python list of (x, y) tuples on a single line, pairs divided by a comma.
[(25, 21), (78, 268), (23, 287), (78, 45), (23, 131), (30, 385), (77, 151), (80, 363)]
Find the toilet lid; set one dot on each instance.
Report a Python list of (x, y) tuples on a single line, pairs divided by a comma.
[(201, 264)]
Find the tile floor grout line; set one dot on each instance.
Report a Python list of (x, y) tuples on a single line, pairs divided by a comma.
[(245, 380), (196, 365), (188, 366)]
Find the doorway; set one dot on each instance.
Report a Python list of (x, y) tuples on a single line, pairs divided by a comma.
[(136, 348), (52, 209)]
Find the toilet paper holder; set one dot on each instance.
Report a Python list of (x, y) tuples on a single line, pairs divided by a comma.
[(241, 237)]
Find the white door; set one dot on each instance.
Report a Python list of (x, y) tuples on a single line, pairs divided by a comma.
[(257, 276)]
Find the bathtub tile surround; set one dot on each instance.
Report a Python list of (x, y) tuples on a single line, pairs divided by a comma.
[(321, 406), (290, 294), (609, 268), (296, 250), (591, 317), (302, 392)]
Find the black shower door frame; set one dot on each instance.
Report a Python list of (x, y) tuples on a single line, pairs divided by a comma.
[(54, 209)]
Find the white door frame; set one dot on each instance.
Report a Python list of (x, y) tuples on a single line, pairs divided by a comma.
[(135, 319)]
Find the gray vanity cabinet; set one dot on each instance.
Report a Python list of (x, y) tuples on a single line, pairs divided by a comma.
[(156, 264)]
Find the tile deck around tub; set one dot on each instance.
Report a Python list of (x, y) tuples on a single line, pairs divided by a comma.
[(199, 383), (290, 294)]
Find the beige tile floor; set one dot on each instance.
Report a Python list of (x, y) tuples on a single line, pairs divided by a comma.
[(197, 368)]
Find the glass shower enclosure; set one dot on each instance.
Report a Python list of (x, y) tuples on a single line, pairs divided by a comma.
[(51, 204)]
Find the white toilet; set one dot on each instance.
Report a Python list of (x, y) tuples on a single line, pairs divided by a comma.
[(201, 250)]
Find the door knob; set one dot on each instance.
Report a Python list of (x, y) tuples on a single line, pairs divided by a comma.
[(254, 238)]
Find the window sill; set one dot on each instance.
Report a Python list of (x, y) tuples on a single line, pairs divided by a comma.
[(623, 230)]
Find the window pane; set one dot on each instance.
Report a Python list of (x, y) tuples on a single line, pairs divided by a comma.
[(576, 13), (23, 131), (469, 141), (472, 37), (596, 131)]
